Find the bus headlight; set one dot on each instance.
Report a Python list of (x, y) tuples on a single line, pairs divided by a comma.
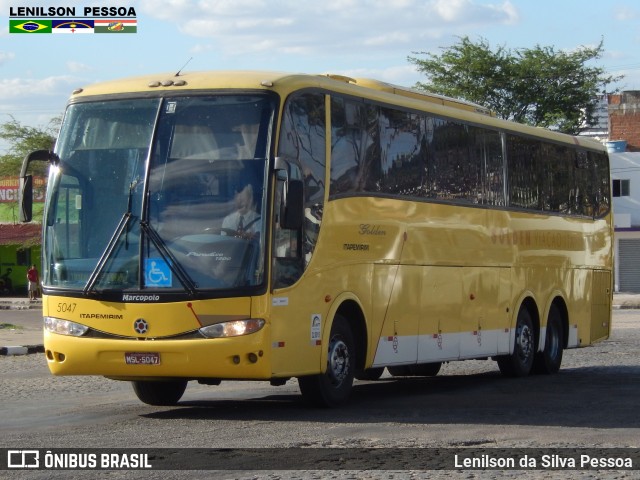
[(233, 329), (64, 327)]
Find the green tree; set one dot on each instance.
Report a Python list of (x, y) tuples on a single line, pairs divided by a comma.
[(22, 140), (538, 86)]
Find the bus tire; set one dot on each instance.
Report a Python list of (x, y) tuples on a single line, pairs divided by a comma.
[(332, 388), (520, 362), (160, 393), (370, 373), (549, 360)]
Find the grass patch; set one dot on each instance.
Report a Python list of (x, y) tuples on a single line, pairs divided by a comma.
[(9, 326)]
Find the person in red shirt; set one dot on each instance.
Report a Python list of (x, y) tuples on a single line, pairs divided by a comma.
[(34, 282)]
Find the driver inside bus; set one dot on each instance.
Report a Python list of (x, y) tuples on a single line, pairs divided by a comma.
[(244, 222)]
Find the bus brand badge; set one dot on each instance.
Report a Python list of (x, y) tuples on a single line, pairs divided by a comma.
[(141, 325)]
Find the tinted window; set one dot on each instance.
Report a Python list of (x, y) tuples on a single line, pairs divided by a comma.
[(302, 141), (378, 149), (557, 178), (355, 147), (402, 153)]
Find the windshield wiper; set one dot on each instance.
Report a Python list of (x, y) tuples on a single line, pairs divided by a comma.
[(169, 258), (102, 261), (104, 258)]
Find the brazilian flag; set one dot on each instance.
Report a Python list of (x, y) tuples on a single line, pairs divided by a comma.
[(29, 26)]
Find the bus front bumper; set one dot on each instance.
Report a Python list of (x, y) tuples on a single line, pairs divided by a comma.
[(243, 357)]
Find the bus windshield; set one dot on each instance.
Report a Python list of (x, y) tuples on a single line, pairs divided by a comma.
[(159, 195)]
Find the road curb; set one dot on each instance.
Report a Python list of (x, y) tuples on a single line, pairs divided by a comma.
[(20, 306), (21, 350)]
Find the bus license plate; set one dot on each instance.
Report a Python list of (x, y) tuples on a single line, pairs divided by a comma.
[(141, 358)]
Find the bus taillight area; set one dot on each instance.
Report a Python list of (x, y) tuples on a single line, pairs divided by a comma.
[(245, 356)]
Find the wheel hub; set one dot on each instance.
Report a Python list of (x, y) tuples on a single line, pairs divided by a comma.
[(339, 362), (525, 341)]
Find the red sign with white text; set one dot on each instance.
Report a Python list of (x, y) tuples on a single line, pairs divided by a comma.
[(9, 187)]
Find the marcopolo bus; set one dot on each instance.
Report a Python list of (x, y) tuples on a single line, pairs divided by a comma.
[(265, 226)]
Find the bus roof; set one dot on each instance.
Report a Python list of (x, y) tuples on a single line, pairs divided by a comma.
[(423, 96), (285, 83)]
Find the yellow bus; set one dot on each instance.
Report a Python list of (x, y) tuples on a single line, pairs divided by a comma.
[(264, 226)]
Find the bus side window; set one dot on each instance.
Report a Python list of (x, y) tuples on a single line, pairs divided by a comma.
[(303, 140)]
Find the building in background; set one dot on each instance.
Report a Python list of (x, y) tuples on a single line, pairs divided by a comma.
[(624, 148), (19, 248), (19, 243), (600, 129)]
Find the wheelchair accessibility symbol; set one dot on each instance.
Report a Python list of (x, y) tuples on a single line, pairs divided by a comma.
[(157, 273)]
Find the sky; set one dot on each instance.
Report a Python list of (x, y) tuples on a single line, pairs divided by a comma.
[(364, 38)]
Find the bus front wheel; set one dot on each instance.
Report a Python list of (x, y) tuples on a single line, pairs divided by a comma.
[(520, 362), (332, 388), (161, 393)]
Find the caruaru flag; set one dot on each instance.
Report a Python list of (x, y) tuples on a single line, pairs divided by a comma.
[(72, 26), (115, 26), (29, 26)]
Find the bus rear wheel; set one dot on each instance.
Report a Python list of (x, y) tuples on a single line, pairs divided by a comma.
[(332, 388), (520, 362), (549, 360), (159, 393)]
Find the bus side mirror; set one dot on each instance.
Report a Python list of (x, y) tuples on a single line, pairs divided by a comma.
[(25, 192), (292, 202), (25, 196), (292, 208)]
